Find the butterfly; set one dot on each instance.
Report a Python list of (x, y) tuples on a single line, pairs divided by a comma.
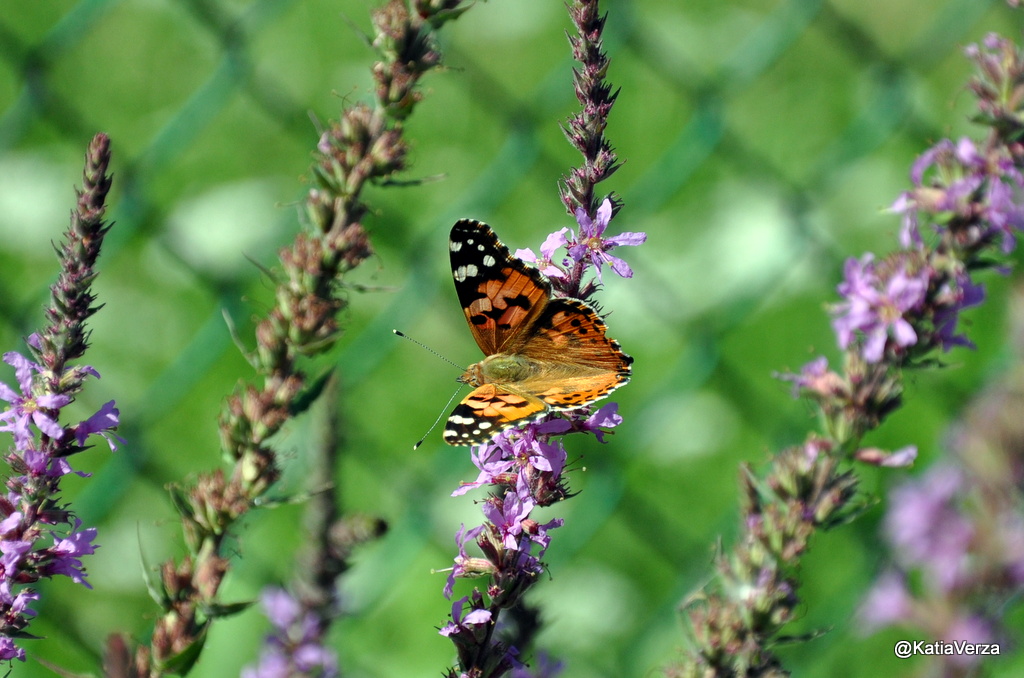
[(542, 353)]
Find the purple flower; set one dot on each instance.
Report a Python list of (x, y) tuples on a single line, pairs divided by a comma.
[(295, 647), (67, 550), (459, 624), (492, 460), (592, 242), (25, 406), (606, 417), (547, 251), (927, 529), (465, 565), (281, 609), (538, 533), (887, 603), (525, 447), (507, 517), (103, 422), (548, 456), (951, 300), (8, 650), (876, 306), (39, 464), (900, 458), (965, 182), (11, 552), (815, 378)]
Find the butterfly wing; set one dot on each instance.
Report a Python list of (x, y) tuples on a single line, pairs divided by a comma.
[(578, 363), (489, 409), (575, 363), (500, 295)]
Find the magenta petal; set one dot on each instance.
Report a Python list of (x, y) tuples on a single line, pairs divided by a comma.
[(620, 267), (875, 346), (628, 238), (47, 425), (553, 242), (477, 617), (53, 401), (905, 334), (604, 215), (22, 370), (526, 255), (7, 393)]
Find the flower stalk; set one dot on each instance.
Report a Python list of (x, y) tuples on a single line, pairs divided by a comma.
[(366, 146), (956, 533), (523, 467), (39, 534)]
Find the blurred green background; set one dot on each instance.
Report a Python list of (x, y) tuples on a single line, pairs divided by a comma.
[(762, 139)]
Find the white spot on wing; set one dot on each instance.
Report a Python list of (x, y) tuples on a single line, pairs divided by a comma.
[(467, 271), (489, 261), (454, 245)]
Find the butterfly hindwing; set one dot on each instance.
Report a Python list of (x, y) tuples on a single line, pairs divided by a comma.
[(580, 363), (489, 409)]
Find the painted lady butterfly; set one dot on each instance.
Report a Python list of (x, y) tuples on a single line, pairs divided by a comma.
[(543, 353)]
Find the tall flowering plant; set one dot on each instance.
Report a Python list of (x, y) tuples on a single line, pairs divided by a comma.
[(898, 311), (956, 533), (39, 534), (524, 467), (365, 146)]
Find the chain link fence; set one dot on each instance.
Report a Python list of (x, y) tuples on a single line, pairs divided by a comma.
[(762, 139)]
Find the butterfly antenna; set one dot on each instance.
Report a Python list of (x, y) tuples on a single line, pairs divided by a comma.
[(427, 348), (439, 415)]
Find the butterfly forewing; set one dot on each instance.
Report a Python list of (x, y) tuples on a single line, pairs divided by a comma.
[(499, 294)]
